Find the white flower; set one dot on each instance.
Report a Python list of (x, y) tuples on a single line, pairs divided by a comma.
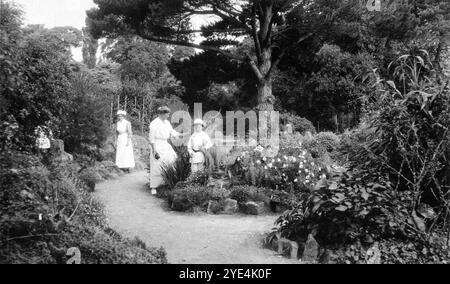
[(259, 149), (264, 159), (304, 153), (296, 180), (294, 159), (270, 165), (258, 162), (279, 160)]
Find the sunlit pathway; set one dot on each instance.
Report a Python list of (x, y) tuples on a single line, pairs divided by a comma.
[(187, 238)]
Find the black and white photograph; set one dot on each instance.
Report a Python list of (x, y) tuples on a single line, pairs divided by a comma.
[(244, 134)]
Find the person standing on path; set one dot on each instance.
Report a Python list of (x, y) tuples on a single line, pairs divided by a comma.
[(161, 153), (124, 146), (197, 146)]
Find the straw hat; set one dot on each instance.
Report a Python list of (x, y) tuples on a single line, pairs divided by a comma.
[(163, 110), (121, 113), (199, 122)]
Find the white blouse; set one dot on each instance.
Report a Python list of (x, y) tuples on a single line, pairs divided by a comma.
[(197, 141), (161, 131)]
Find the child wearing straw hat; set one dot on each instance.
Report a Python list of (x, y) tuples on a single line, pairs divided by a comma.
[(198, 143)]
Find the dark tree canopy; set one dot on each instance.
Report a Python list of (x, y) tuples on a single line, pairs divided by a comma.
[(267, 22)]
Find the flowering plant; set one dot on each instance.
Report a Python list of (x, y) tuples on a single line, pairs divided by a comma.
[(296, 172)]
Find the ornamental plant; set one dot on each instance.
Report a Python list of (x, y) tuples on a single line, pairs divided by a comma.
[(291, 173)]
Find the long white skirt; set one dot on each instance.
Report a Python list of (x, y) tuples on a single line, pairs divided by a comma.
[(124, 154), (167, 158)]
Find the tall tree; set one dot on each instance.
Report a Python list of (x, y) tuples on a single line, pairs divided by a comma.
[(264, 21)]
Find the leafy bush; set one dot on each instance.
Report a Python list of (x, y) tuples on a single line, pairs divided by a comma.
[(189, 196), (243, 194), (396, 191), (410, 138), (179, 171), (198, 178), (328, 140), (84, 125), (44, 212), (288, 173), (299, 124)]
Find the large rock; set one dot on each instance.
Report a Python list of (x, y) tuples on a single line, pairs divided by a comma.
[(231, 207), (291, 245), (57, 146), (374, 255), (311, 251), (58, 153), (181, 204), (254, 208), (214, 208)]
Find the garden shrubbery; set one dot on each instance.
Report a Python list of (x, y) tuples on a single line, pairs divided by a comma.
[(395, 194), (299, 124), (46, 211), (192, 195), (243, 194)]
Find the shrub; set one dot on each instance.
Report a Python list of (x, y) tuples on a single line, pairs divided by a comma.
[(396, 193), (299, 124), (329, 141), (179, 171), (44, 212), (243, 194), (198, 178), (189, 196), (410, 140), (288, 173)]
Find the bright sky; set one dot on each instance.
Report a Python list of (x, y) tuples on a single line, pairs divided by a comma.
[(56, 13), (53, 13)]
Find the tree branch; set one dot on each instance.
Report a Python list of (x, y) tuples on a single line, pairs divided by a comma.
[(193, 45), (256, 36)]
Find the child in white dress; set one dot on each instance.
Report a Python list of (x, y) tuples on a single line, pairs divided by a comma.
[(198, 143)]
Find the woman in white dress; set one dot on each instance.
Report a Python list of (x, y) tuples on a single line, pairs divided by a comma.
[(124, 146), (162, 153), (197, 145)]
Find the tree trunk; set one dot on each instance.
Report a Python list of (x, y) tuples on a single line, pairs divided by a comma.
[(265, 96)]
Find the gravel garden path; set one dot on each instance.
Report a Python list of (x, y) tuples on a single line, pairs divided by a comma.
[(188, 238)]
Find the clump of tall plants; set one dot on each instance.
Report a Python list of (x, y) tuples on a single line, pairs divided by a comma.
[(396, 192)]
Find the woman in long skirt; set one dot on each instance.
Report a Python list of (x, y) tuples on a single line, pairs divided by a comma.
[(124, 151), (162, 153)]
